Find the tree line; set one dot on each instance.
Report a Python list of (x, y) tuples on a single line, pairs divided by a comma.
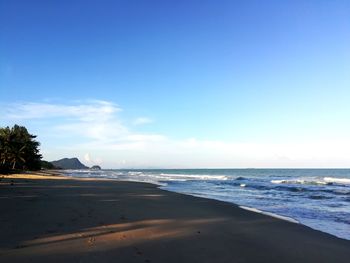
[(18, 150)]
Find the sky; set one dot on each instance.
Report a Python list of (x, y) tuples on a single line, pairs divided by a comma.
[(180, 84)]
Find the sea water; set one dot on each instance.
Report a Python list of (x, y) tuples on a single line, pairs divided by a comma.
[(318, 198)]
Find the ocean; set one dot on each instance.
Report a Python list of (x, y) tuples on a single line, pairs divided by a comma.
[(318, 198)]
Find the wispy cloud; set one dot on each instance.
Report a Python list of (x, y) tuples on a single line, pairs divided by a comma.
[(96, 122), (95, 127), (89, 111), (142, 120)]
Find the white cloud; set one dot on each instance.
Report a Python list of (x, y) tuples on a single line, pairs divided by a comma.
[(95, 128), (142, 120), (145, 137), (87, 157), (94, 120), (92, 161), (90, 111), (94, 124)]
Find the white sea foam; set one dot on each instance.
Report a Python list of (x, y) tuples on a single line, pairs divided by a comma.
[(319, 181), (186, 177), (302, 181), (289, 219), (345, 181), (278, 181), (141, 176), (135, 173)]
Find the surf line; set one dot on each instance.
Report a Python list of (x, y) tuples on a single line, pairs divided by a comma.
[(289, 219)]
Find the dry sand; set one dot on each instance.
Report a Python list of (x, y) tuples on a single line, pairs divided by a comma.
[(70, 220)]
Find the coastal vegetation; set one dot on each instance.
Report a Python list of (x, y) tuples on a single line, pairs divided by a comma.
[(19, 150), (47, 165)]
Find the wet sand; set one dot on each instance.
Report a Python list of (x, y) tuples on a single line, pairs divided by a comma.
[(74, 220)]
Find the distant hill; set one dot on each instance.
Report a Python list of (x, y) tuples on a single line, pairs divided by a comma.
[(69, 163), (96, 167)]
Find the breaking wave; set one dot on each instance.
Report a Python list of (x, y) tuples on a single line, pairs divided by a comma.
[(315, 181)]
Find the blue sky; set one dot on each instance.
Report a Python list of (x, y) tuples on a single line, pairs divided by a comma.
[(180, 83)]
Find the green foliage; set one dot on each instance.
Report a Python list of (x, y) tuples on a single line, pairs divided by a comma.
[(47, 165), (18, 149)]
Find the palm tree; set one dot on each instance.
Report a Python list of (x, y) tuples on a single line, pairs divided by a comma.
[(5, 146), (18, 149), (18, 156)]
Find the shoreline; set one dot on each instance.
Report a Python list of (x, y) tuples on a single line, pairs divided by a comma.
[(47, 175), (254, 210), (57, 174), (80, 217)]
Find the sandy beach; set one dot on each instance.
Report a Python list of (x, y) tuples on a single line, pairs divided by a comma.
[(76, 220)]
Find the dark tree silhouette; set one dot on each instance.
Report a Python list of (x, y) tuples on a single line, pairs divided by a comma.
[(18, 149)]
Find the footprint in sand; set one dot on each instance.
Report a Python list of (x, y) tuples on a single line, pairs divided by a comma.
[(19, 246), (91, 241), (138, 252)]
